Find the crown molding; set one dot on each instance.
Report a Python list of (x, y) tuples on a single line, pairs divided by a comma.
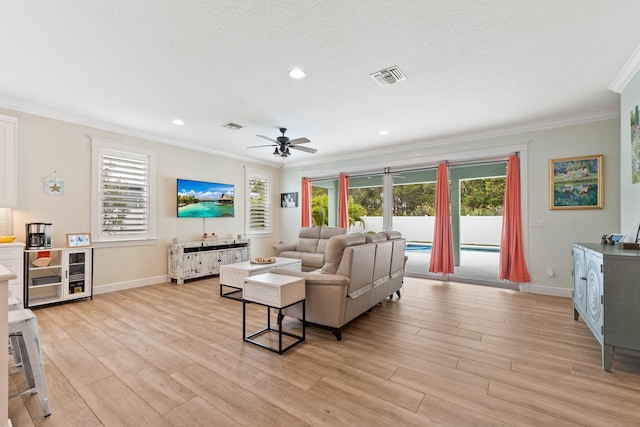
[(491, 133), (625, 75), (473, 136), (97, 124)]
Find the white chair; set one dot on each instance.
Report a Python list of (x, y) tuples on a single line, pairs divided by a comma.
[(23, 331), (14, 304)]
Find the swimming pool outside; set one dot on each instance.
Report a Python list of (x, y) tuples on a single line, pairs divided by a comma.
[(425, 247), (478, 264)]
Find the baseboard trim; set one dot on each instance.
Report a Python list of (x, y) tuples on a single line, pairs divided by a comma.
[(546, 290), (523, 287), (131, 284)]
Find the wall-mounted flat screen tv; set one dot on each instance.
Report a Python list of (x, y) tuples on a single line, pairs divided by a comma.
[(200, 199)]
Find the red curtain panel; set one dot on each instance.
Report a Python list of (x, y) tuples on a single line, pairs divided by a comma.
[(513, 266), (442, 250), (343, 202), (305, 203)]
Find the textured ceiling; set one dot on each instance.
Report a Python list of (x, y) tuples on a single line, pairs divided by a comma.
[(476, 66)]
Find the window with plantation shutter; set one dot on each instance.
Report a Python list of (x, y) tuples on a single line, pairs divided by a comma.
[(123, 195), (259, 201)]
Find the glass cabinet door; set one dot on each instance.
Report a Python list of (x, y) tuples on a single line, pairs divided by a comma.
[(77, 273)]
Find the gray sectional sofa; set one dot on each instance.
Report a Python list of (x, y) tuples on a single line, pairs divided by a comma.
[(310, 247), (359, 272)]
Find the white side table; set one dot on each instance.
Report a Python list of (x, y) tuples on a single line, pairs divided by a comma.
[(232, 275), (273, 291)]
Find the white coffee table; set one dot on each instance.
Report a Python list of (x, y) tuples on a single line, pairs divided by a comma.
[(273, 291), (233, 275)]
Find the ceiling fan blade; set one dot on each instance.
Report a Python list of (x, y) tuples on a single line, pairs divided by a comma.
[(269, 145), (299, 141), (305, 149), (267, 138)]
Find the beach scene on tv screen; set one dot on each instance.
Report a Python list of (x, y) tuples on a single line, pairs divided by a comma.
[(197, 199)]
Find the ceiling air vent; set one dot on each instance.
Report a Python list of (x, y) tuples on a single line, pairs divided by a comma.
[(232, 126), (388, 76)]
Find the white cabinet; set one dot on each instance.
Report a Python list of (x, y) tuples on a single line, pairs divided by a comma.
[(67, 276), (11, 257), (8, 126), (190, 260)]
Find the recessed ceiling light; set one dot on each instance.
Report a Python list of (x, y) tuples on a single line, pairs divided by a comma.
[(297, 73), (178, 122), (384, 132)]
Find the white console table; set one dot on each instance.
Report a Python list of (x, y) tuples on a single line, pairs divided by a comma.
[(190, 260)]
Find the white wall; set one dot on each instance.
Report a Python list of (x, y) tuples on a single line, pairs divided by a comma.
[(548, 246), (46, 145), (478, 230)]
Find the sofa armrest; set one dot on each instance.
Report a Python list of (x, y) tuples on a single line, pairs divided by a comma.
[(313, 278), (284, 247)]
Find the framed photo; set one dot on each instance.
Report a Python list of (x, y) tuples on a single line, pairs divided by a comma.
[(576, 183), (289, 200), (617, 238), (78, 240)]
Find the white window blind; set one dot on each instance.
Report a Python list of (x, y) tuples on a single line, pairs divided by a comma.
[(123, 197), (124, 201), (259, 202)]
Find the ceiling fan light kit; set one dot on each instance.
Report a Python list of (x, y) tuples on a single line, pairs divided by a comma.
[(283, 144)]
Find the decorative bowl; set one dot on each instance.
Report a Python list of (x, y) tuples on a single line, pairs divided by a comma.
[(7, 239), (41, 262), (269, 260)]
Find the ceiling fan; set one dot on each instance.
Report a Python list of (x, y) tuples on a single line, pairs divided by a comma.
[(283, 144)]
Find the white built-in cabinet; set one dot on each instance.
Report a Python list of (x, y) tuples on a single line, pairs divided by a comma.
[(11, 257), (68, 276), (190, 260), (8, 172)]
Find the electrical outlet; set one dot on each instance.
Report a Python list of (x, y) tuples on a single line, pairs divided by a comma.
[(537, 223), (550, 272)]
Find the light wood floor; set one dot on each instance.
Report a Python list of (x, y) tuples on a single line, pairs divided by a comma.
[(443, 354)]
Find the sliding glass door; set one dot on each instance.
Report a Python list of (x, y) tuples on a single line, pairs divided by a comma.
[(404, 201)]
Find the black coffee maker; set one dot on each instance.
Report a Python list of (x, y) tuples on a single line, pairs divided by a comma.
[(38, 235)]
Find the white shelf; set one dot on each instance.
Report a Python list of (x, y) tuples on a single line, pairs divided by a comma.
[(71, 275), (44, 285)]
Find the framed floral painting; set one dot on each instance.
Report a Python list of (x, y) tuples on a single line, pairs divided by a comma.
[(576, 183)]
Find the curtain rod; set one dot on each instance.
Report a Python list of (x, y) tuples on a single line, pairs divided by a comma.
[(430, 165)]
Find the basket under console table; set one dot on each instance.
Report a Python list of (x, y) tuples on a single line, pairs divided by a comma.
[(190, 260)]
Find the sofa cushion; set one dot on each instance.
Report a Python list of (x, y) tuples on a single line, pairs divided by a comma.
[(391, 235), (309, 233), (307, 245), (335, 249), (376, 237), (312, 261), (291, 254), (325, 234), (329, 232)]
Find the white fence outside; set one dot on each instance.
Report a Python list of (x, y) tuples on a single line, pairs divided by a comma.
[(474, 230)]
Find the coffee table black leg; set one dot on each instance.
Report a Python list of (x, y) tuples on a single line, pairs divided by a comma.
[(268, 318), (280, 332), (304, 321)]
